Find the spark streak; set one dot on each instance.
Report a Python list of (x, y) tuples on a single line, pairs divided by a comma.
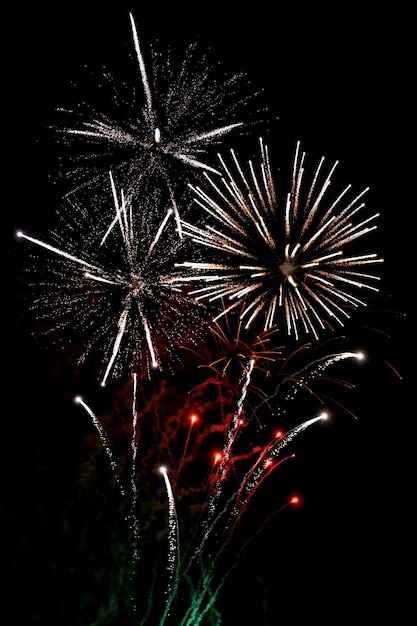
[(192, 422), (104, 440), (232, 433), (173, 541)]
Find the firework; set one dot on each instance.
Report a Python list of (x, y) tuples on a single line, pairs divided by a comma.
[(288, 257), (134, 281), (158, 128), (205, 507), (111, 284), (235, 346)]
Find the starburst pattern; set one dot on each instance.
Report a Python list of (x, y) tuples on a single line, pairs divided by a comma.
[(111, 284), (158, 129), (288, 256)]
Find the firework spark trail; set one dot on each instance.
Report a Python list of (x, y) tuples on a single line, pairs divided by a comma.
[(133, 481), (181, 463), (62, 253), (232, 432), (143, 74), (197, 609), (120, 218), (132, 518), (173, 546), (253, 478), (149, 604), (295, 261), (104, 440), (214, 498), (214, 516), (310, 369)]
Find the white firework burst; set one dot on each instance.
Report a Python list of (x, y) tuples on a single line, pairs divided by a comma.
[(288, 256), (157, 129), (108, 281)]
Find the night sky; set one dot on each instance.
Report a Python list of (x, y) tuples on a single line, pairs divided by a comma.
[(341, 82)]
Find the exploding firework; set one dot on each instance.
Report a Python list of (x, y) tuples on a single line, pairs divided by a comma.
[(235, 346), (159, 128), (288, 257), (111, 284)]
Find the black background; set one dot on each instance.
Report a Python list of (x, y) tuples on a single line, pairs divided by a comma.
[(341, 80)]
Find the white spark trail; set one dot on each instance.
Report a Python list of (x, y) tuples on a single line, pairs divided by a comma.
[(62, 253), (144, 77), (104, 440), (159, 231), (133, 480), (117, 342), (173, 545), (232, 433)]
